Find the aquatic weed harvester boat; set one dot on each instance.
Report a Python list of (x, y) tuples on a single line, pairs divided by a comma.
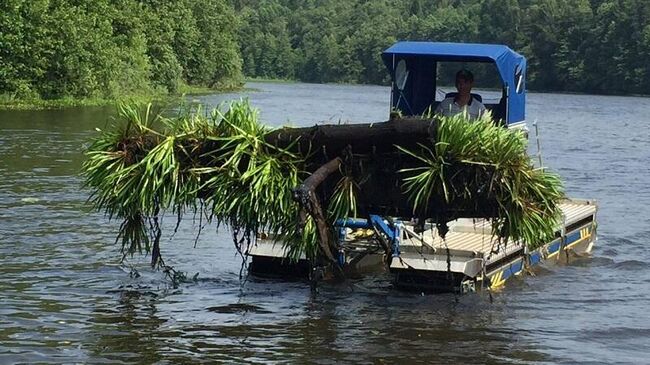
[(443, 203), (467, 251)]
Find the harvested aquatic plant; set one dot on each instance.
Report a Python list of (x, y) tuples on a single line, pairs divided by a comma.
[(216, 166), (294, 183), (477, 165)]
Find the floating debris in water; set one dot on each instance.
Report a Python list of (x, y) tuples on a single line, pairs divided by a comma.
[(238, 308)]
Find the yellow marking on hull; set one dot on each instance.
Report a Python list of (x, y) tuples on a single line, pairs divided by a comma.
[(496, 280)]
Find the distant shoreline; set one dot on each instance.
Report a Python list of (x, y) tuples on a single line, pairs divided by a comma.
[(69, 102)]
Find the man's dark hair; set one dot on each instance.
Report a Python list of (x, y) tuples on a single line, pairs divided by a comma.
[(465, 75)]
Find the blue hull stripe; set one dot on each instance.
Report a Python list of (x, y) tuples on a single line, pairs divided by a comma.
[(572, 237), (499, 277)]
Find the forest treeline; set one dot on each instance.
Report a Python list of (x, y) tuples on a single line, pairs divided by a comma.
[(108, 48), (596, 46)]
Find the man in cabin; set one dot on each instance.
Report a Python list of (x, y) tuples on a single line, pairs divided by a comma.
[(462, 101)]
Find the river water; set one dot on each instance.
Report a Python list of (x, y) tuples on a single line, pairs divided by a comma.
[(65, 297)]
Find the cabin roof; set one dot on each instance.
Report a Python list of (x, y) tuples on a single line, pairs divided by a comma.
[(446, 51)]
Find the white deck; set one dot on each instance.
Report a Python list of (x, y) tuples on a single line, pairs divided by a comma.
[(470, 241)]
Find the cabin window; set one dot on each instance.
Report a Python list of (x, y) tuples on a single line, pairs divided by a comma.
[(401, 75), (519, 79)]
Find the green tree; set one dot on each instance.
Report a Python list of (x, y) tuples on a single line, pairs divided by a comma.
[(265, 41), (615, 60)]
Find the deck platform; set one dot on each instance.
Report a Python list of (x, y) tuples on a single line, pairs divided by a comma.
[(468, 258), (471, 254)]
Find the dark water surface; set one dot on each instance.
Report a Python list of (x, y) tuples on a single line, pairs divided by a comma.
[(65, 297)]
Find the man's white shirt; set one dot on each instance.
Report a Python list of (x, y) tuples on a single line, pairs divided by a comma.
[(448, 107)]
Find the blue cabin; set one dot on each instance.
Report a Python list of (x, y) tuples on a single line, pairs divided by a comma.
[(413, 67)]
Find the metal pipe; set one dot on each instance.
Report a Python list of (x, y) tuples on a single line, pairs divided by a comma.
[(539, 147)]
